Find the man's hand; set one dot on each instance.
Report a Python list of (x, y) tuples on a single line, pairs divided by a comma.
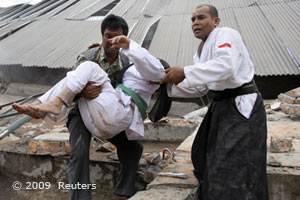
[(120, 41), (174, 75), (90, 91)]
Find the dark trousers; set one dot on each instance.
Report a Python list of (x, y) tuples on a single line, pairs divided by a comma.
[(129, 154), (229, 153)]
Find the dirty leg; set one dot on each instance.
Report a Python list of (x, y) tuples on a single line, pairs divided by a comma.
[(27, 110), (54, 106)]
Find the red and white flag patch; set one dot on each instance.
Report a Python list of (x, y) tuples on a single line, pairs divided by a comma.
[(224, 45)]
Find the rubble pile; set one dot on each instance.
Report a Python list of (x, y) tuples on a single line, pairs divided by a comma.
[(290, 102)]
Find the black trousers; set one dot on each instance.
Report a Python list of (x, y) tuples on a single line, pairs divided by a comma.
[(129, 154), (229, 153)]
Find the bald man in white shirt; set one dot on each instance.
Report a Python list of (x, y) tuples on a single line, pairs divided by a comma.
[(229, 150)]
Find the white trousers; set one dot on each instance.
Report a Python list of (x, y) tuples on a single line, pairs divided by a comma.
[(104, 116)]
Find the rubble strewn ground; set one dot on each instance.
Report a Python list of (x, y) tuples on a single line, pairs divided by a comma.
[(40, 138)]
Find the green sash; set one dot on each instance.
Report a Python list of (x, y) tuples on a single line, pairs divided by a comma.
[(138, 100)]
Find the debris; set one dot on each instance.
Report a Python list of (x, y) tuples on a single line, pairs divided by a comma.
[(270, 111), (285, 169), (9, 138), (276, 116), (197, 113), (170, 156), (276, 105), (286, 99), (106, 147), (173, 174), (153, 158), (281, 145), (291, 109), (273, 162), (294, 93), (290, 102), (113, 156), (143, 162), (29, 135)]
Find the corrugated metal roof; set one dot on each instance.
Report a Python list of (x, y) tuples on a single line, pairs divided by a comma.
[(74, 10), (123, 7), (45, 47), (272, 42), (270, 29), (140, 29), (156, 7), (134, 11), (171, 39), (12, 27), (67, 4), (91, 9)]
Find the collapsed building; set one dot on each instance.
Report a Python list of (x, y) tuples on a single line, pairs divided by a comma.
[(39, 45)]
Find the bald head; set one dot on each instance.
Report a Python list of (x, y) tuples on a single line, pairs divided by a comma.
[(212, 10)]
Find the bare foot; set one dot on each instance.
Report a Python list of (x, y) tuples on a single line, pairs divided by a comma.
[(27, 110), (53, 106)]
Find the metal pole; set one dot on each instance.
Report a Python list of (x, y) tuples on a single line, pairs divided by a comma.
[(15, 126)]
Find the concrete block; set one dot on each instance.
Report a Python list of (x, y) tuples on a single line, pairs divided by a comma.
[(294, 93), (9, 138), (67, 147), (171, 130), (275, 105), (186, 145), (281, 145), (286, 99), (44, 146), (50, 147), (32, 146), (50, 143), (297, 101), (53, 137), (164, 194), (296, 110), (291, 109)]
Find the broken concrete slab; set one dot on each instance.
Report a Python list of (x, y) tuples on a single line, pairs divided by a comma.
[(200, 113), (186, 145), (276, 116), (275, 105), (286, 99), (170, 130), (166, 193), (291, 109), (9, 138), (294, 93), (281, 145), (57, 143), (53, 137)]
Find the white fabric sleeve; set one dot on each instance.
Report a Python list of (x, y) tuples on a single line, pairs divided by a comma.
[(183, 91), (147, 65), (227, 59)]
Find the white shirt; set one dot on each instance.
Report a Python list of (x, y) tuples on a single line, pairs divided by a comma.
[(223, 64), (146, 68), (102, 115)]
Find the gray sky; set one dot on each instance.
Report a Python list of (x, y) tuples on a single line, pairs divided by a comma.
[(7, 3)]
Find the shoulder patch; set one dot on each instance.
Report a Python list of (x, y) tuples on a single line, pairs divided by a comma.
[(224, 45)]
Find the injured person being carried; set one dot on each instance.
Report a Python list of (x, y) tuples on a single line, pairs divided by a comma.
[(115, 109)]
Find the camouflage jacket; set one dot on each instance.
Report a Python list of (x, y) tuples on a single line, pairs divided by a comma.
[(115, 71)]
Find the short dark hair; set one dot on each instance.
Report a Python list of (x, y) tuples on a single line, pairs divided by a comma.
[(212, 10), (114, 22)]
